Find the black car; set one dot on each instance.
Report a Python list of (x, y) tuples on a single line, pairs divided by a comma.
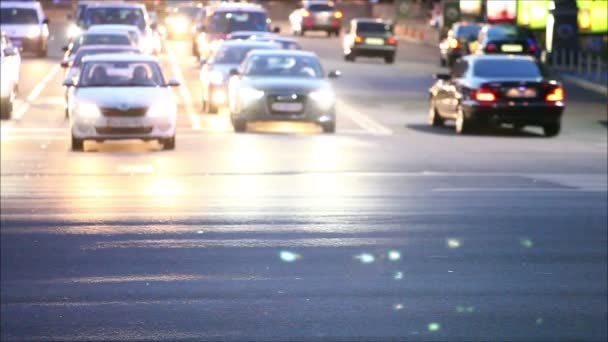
[(455, 44), (495, 89), (506, 38), (369, 37)]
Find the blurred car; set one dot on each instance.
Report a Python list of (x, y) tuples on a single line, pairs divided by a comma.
[(76, 26), (216, 72), (316, 16), (370, 38), (72, 67), (125, 13), (26, 25), (456, 42), (225, 18), (181, 20), (506, 38), (281, 85), (97, 38), (10, 66), (130, 30), (248, 35), (285, 42), (121, 96), (487, 90)]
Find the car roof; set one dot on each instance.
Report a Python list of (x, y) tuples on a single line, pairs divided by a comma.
[(20, 4), (105, 33), (111, 27), (111, 4), (248, 43), (251, 32), (370, 20), (274, 38), (498, 57), (108, 46), (120, 57), (243, 7), (295, 53)]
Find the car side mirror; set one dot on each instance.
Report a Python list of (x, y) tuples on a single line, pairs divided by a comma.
[(68, 82), (334, 74), (276, 29), (234, 72), (443, 77), (10, 51), (45, 21), (174, 82), (65, 49), (65, 64)]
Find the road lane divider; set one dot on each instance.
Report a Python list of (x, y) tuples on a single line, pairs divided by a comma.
[(184, 92), (361, 119), (21, 109)]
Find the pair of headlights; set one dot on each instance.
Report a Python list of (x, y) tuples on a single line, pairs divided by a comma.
[(324, 98), (91, 110)]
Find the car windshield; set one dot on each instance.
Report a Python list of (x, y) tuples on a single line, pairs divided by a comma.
[(226, 22), (106, 39), (189, 11), (81, 54), (121, 74), (511, 68), (234, 54), (373, 27), (18, 16), (126, 16), (468, 31), (506, 32), (289, 66), (320, 8)]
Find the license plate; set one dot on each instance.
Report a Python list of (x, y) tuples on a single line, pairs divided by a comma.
[(287, 107), (512, 48), (374, 41), (125, 122), (521, 92)]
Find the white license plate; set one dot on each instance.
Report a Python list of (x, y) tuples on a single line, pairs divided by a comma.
[(512, 48), (521, 92), (124, 122), (374, 41), (287, 107)]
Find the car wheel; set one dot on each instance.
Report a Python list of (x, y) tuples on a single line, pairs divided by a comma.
[(463, 124), (552, 130), (239, 125), (329, 127), (77, 144), (389, 59), (168, 144), (6, 110), (434, 117)]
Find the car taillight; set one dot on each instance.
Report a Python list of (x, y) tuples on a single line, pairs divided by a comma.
[(338, 15), (555, 95), (485, 95), (359, 39), (454, 43), (532, 48), (305, 14), (391, 41), (491, 48)]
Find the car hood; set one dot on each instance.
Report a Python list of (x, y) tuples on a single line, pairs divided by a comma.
[(17, 30), (124, 96), (285, 84)]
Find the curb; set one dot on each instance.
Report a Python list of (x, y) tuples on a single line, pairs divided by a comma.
[(598, 88)]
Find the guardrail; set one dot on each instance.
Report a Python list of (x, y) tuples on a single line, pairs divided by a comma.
[(587, 65)]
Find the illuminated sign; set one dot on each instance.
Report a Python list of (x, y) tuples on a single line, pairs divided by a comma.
[(500, 11), (592, 16)]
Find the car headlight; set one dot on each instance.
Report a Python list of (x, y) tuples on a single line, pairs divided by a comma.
[(73, 31), (325, 98), (216, 77), (86, 109), (249, 95), (179, 25), (161, 109), (34, 32)]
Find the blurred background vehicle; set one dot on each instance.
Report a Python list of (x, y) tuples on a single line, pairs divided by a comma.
[(130, 30), (26, 25), (121, 96), (506, 38), (456, 42), (285, 42), (99, 37), (180, 20), (248, 35), (484, 90), (10, 64), (216, 72), (282, 85), (367, 37), (316, 16)]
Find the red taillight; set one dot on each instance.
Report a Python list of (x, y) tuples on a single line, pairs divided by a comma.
[(491, 48), (454, 43), (485, 95), (338, 15), (556, 95), (391, 41), (359, 39), (532, 48)]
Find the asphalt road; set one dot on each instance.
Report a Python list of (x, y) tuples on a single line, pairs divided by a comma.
[(387, 230)]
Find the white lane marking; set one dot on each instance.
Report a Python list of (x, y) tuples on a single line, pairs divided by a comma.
[(362, 120), (184, 92), (135, 169), (40, 86)]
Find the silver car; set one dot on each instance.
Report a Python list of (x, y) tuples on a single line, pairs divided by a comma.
[(282, 85), (121, 96)]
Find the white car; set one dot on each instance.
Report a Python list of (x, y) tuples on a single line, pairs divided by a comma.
[(10, 64), (26, 25), (130, 30), (121, 96)]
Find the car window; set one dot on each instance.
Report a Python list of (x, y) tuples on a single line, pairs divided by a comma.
[(373, 27), (320, 8), (290, 66), (226, 22), (511, 68), (81, 54), (234, 54), (121, 74), (467, 31), (126, 16), (18, 16), (106, 39), (502, 32)]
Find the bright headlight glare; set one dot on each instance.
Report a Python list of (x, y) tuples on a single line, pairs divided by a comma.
[(249, 95), (216, 77), (325, 98), (160, 109), (87, 109), (73, 31), (33, 32)]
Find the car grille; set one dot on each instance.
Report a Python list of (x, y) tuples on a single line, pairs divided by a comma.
[(128, 112), (290, 98), (123, 130)]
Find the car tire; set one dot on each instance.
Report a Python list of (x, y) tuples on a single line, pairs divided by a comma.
[(463, 125), (239, 126), (552, 130), (6, 110), (77, 144), (389, 59), (329, 127), (169, 143), (434, 118), (350, 57)]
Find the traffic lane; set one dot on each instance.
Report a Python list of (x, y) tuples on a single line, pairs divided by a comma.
[(368, 255)]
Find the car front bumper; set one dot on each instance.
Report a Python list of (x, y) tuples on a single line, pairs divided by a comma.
[(111, 128), (368, 50), (28, 44), (515, 113), (261, 110)]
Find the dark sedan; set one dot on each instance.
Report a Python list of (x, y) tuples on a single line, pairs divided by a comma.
[(495, 89), (506, 38), (282, 85)]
